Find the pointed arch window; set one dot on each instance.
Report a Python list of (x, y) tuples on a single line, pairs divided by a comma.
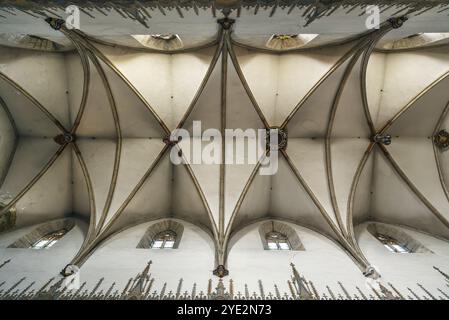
[(49, 239), (392, 244), (159, 41), (423, 39), (164, 240), (396, 240), (165, 234), (46, 235), (276, 235)]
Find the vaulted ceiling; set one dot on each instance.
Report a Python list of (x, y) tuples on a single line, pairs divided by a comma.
[(85, 133)]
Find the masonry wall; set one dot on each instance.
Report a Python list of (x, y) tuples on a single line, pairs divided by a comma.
[(322, 262)]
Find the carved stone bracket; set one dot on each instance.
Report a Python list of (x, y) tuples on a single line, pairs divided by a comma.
[(169, 141), (441, 140), (69, 270), (371, 272), (64, 138), (382, 138), (221, 271), (397, 22), (282, 139), (226, 23)]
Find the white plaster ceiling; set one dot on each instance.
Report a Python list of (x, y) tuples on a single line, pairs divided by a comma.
[(118, 173)]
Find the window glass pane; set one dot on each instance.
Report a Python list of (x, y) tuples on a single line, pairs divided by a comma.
[(165, 239), (49, 239), (277, 241), (40, 244), (272, 246), (169, 244), (157, 244), (51, 243), (284, 246), (399, 248), (391, 244)]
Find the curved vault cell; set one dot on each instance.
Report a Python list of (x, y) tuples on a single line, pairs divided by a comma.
[(307, 156), (394, 202), (30, 157), (40, 189), (280, 82), (311, 116), (97, 119), (300, 208), (397, 93), (50, 71), (150, 201), (99, 157), (29, 119), (421, 117), (413, 154), (165, 82), (346, 156)]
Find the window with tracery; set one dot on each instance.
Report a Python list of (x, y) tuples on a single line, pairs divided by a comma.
[(164, 240), (49, 239), (391, 244), (277, 241), (165, 234)]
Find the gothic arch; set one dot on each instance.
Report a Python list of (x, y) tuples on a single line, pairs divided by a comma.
[(282, 228), (164, 225), (413, 245), (29, 239)]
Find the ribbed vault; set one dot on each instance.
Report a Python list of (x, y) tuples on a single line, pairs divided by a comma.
[(101, 150)]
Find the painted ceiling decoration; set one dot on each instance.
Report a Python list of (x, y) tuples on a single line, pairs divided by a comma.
[(352, 137)]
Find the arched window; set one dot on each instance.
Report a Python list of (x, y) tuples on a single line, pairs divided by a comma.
[(164, 240), (165, 234), (289, 41), (395, 240), (391, 244), (159, 41), (45, 236), (276, 235), (416, 40), (30, 41), (49, 239), (277, 241)]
